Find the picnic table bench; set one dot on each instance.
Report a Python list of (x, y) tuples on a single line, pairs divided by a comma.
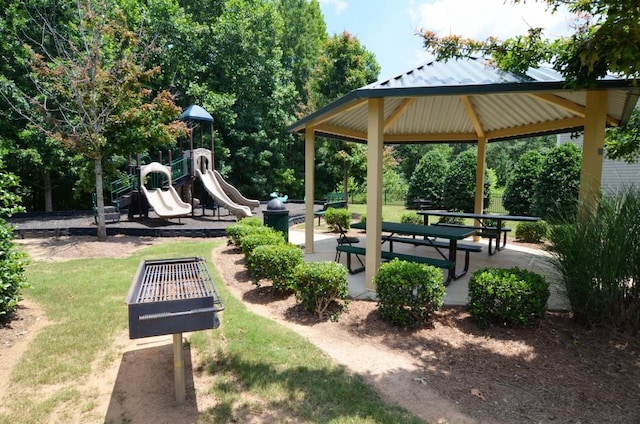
[(484, 229), (467, 248), (430, 235), (388, 255), (487, 232)]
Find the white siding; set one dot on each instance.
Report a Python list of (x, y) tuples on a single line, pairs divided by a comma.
[(616, 175)]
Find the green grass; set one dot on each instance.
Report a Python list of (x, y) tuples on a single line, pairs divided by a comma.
[(256, 364)]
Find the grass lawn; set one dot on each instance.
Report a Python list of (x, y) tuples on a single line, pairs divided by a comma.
[(255, 362)]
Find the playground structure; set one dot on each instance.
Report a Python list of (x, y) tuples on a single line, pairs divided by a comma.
[(132, 192), (166, 203)]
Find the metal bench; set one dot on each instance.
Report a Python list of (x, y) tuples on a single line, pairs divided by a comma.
[(438, 263), (487, 232), (465, 247)]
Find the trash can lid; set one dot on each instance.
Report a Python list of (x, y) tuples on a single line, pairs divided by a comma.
[(276, 205)]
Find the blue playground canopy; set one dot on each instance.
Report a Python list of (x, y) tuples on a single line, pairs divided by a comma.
[(195, 113)]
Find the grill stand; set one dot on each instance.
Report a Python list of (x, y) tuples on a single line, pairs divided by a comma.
[(178, 368)]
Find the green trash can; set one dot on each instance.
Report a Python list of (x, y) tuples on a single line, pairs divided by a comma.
[(276, 216)]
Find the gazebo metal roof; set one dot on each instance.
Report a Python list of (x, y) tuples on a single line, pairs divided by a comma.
[(461, 100)]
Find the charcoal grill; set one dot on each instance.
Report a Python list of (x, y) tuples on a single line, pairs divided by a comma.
[(172, 296)]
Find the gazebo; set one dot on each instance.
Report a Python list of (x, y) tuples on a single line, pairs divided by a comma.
[(466, 100)]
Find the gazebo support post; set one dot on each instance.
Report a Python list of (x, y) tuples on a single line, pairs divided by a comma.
[(375, 141), (309, 182), (592, 149), (480, 167)]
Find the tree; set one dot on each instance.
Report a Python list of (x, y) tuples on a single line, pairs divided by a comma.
[(305, 32), (556, 190), (519, 192), (344, 65), (624, 143), (90, 92), (460, 183), (427, 181), (606, 39)]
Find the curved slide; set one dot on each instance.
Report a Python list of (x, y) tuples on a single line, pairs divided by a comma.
[(165, 203), (234, 194), (211, 184)]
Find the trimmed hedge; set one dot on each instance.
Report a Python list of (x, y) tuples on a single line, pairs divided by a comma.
[(408, 292), (335, 216), (507, 296), (532, 232), (276, 262), (319, 284), (255, 239)]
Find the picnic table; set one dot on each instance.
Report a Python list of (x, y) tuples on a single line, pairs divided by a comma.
[(429, 234), (485, 229)]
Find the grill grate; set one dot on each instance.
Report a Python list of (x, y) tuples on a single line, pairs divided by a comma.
[(174, 281)]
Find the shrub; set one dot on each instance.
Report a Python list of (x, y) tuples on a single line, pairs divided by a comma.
[(255, 239), (518, 194), (319, 284), (556, 190), (411, 218), (532, 232), (460, 183), (408, 292), (341, 216), (237, 231), (510, 296), (12, 261), (427, 180), (597, 261), (276, 262)]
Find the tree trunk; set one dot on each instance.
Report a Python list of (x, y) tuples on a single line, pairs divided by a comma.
[(48, 191), (102, 228)]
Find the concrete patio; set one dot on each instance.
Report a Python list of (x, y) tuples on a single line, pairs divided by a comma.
[(532, 259)]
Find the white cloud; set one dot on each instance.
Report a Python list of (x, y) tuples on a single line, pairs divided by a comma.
[(339, 5), (480, 19)]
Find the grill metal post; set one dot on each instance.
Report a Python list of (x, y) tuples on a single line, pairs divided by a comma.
[(178, 368)]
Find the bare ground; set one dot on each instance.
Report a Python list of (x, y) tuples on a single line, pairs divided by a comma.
[(448, 372)]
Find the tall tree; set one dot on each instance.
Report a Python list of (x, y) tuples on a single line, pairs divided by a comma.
[(90, 87), (302, 39), (344, 65)]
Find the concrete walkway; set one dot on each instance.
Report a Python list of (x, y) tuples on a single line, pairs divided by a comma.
[(532, 259)]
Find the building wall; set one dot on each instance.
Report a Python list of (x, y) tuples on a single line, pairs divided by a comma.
[(616, 175)]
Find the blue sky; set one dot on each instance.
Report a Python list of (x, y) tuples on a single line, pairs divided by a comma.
[(388, 27)]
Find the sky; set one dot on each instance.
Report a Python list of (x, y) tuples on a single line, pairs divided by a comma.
[(388, 27)]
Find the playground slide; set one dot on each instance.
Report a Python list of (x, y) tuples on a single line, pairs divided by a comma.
[(234, 194), (166, 203), (213, 187)]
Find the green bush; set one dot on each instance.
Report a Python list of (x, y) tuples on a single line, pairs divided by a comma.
[(460, 183), (276, 262), (597, 261), (427, 180), (411, 218), (556, 190), (507, 296), (237, 231), (532, 232), (12, 261), (255, 239), (319, 284), (408, 292), (335, 216), (518, 194)]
